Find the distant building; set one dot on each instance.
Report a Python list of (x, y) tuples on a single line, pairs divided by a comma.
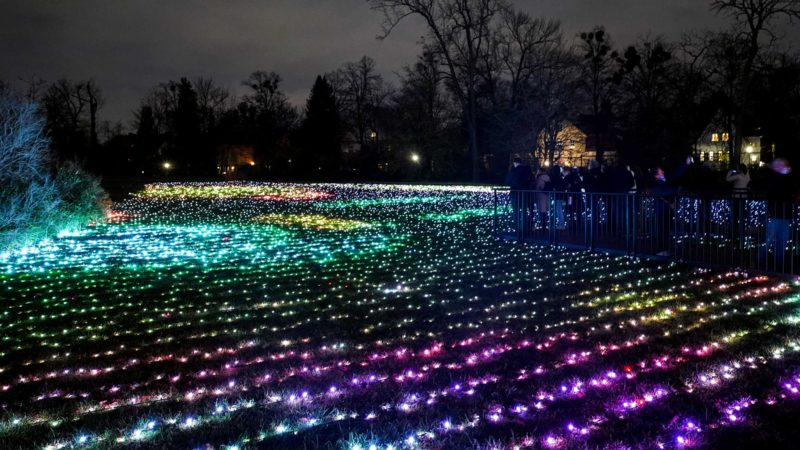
[(714, 147), (235, 161), (574, 145)]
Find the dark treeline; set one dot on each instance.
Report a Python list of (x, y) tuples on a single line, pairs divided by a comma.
[(490, 82)]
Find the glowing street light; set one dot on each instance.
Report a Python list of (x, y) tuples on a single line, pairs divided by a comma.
[(166, 165), (414, 158)]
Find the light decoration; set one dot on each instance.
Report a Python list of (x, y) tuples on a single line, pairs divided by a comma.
[(459, 215), (375, 317), (313, 221), (231, 190)]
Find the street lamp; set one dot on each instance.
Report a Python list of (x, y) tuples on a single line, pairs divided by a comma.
[(414, 158), (166, 165)]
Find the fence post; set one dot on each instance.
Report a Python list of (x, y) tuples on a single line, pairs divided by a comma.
[(674, 234), (590, 224), (627, 198), (635, 200), (494, 223)]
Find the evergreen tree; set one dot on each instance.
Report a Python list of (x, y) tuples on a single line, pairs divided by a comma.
[(321, 133), (148, 138), (186, 143)]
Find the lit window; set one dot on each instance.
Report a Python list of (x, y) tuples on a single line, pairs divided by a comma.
[(715, 137), (726, 137)]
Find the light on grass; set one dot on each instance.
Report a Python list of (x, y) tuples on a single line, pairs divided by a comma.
[(331, 308)]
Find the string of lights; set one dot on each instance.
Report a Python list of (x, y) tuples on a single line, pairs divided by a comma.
[(371, 317)]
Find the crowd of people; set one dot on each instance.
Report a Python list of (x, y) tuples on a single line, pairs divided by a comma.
[(534, 205), (624, 178)]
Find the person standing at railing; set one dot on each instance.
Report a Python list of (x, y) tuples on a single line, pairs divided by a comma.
[(558, 186), (595, 180), (542, 184), (740, 179), (781, 194), (519, 179), (663, 189), (595, 184), (622, 181), (573, 185)]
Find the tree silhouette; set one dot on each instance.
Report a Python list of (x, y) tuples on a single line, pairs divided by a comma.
[(754, 21), (321, 133), (460, 33)]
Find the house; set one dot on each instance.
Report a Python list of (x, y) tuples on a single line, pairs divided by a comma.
[(573, 145), (714, 147), (235, 159)]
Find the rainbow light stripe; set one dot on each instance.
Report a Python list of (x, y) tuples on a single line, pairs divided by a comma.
[(313, 221), (375, 317)]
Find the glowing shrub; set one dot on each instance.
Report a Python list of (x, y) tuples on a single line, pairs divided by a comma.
[(37, 198)]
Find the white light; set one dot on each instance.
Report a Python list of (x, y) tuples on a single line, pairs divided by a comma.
[(415, 157), (167, 165)]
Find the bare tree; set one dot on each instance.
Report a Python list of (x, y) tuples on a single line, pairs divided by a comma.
[(460, 34), (533, 68), (360, 92), (599, 67), (34, 86), (426, 116), (754, 22), (66, 103), (525, 46), (554, 103), (266, 96), (599, 58), (94, 98), (212, 100), (161, 102), (211, 96)]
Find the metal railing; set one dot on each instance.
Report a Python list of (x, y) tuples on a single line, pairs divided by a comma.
[(737, 231)]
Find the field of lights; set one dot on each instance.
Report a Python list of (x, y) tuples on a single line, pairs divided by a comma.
[(368, 317)]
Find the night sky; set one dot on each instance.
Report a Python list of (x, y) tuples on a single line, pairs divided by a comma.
[(129, 46)]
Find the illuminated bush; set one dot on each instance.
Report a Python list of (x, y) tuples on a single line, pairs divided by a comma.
[(37, 198)]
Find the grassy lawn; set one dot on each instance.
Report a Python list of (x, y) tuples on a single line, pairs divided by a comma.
[(252, 315)]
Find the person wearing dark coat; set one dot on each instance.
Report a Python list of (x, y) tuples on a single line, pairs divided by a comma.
[(520, 176), (623, 180), (594, 181), (573, 184), (780, 197), (663, 190), (519, 179)]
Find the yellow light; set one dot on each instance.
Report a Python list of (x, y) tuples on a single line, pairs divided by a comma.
[(252, 163), (415, 157), (749, 149), (753, 158), (167, 165), (313, 221)]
